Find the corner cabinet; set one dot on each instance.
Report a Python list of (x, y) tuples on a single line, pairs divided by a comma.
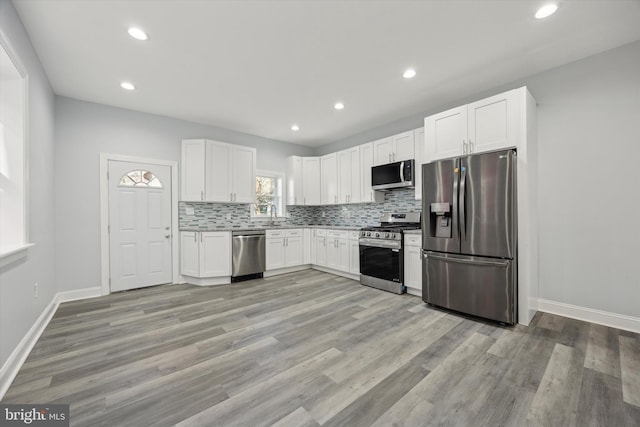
[(217, 172), (486, 125), (205, 254), (420, 159)]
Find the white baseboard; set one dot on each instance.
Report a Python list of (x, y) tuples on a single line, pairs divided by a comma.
[(19, 355), (606, 318), (286, 270), (77, 294), (414, 291), (21, 352), (336, 272), (207, 281)]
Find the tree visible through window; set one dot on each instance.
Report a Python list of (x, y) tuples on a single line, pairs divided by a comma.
[(268, 195)]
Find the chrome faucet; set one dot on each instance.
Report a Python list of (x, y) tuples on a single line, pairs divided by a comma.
[(273, 209)]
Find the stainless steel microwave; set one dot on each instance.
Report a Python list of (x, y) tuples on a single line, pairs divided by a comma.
[(392, 175)]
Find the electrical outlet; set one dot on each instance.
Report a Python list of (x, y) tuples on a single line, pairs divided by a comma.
[(35, 290), (324, 214), (228, 216), (189, 210)]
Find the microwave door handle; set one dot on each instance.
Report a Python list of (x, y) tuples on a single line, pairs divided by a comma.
[(401, 171)]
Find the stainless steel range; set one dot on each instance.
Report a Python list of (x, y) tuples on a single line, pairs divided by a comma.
[(381, 251)]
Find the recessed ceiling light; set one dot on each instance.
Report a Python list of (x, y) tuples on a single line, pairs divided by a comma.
[(546, 10), (409, 73), (295, 128), (339, 106), (127, 86), (137, 33)]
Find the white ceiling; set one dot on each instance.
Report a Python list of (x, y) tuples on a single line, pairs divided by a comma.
[(260, 66)]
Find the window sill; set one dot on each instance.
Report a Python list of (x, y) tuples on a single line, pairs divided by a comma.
[(11, 255)]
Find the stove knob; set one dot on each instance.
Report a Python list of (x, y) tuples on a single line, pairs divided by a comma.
[(377, 234), (386, 235), (393, 235), (368, 233)]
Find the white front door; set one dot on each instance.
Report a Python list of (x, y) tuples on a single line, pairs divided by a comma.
[(139, 225)]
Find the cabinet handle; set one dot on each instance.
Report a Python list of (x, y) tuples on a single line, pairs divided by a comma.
[(304, 200), (393, 156), (389, 157), (464, 147), (201, 237), (195, 237), (201, 195), (470, 146)]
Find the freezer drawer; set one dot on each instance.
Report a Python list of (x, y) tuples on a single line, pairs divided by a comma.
[(484, 287)]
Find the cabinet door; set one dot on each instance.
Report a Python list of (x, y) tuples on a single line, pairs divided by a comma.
[(383, 151), (293, 251), (354, 175), (354, 257), (215, 254), (321, 251), (189, 253), (243, 174), (367, 194), (294, 181), (493, 122), (218, 172), (329, 179), (413, 267), (446, 133), (403, 146), (419, 145), (306, 246), (274, 253), (344, 176), (342, 247), (192, 170), (311, 180), (332, 252)]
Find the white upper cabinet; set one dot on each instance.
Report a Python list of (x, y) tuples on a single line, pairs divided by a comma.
[(349, 176), (420, 159), (329, 179), (367, 194), (310, 181), (394, 148), (485, 125), (294, 181), (404, 148), (493, 123), (217, 172), (446, 133), (193, 160)]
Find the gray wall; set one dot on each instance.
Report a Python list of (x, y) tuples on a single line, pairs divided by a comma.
[(19, 309), (588, 118), (83, 131)]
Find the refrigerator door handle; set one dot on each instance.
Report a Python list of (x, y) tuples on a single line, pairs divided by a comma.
[(493, 263), (461, 203)]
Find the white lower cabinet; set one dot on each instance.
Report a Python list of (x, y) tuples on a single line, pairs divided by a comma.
[(320, 244), (354, 252), (205, 253), (284, 248), (413, 263), (338, 250)]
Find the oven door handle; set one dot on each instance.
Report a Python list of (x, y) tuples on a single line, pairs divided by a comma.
[(380, 244)]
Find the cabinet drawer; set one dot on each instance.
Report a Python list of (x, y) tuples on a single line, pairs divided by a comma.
[(274, 233), (413, 240), (354, 235), (293, 233), (321, 232), (338, 234)]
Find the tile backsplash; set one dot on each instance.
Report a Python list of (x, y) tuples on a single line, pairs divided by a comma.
[(211, 216)]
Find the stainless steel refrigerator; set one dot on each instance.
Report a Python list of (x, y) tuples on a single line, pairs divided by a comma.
[(469, 235)]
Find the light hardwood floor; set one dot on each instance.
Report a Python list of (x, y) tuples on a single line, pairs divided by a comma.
[(310, 348)]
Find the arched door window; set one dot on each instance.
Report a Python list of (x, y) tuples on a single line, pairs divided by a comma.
[(140, 178)]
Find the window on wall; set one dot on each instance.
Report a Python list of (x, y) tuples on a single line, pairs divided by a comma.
[(269, 195), (13, 223)]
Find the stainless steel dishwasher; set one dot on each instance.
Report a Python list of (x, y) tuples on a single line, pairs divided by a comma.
[(248, 252)]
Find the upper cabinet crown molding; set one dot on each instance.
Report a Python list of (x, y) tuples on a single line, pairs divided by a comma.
[(215, 171)]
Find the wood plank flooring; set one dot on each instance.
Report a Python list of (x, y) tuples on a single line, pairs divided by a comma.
[(310, 349)]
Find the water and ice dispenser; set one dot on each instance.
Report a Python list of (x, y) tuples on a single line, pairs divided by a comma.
[(440, 220)]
